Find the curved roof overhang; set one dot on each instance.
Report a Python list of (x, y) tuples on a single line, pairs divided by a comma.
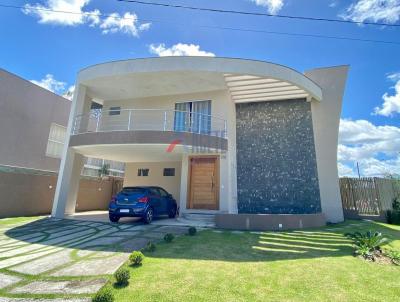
[(246, 80)]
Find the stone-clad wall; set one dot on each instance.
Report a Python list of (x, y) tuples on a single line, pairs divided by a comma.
[(276, 163)]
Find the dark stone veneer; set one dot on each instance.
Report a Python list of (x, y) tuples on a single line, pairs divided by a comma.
[(276, 163)]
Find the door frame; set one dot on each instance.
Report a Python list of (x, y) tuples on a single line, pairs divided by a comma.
[(189, 202)]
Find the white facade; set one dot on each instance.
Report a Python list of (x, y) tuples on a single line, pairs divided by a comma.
[(139, 122)]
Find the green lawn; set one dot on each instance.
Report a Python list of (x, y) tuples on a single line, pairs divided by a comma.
[(310, 265), (18, 220)]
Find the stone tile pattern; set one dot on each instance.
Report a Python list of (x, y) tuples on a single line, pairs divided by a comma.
[(6, 280), (276, 162), (60, 287), (68, 248)]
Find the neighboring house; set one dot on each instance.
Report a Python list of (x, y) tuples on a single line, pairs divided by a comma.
[(33, 129), (224, 136)]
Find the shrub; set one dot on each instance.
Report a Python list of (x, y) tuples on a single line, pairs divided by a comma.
[(169, 237), (150, 247), (192, 231), (369, 244), (394, 256), (122, 276), (396, 204), (104, 295), (136, 258), (393, 216)]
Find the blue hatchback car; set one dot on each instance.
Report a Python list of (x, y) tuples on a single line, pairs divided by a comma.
[(145, 202)]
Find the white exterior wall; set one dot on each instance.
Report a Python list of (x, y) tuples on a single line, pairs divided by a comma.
[(170, 183), (221, 106), (219, 102), (326, 118), (113, 79)]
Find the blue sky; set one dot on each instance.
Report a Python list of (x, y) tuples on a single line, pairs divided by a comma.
[(36, 44)]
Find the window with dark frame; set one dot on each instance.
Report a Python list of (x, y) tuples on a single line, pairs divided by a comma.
[(169, 171), (143, 172), (114, 111)]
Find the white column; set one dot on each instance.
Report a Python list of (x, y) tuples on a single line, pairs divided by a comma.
[(326, 118), (68, 185), (184, 183), (231, 157), (71, 162)]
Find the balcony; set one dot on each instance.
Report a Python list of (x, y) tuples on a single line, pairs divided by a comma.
[(149, 120), (147, 133)]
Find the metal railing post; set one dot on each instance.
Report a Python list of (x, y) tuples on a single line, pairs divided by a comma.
[(129, 120), (199, 123), (97, 123), (225, 128), (183, 122), (74, 127)]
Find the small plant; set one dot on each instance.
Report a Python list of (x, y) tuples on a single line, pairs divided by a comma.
[(364, 252), (393, 216), (136, 258), (150, 247), (192, 231), (394, 256), (169, 237), (104, 295), (122, 276), (368, 245)]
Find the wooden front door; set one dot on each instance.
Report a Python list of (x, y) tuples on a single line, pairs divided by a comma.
[(203, 183)]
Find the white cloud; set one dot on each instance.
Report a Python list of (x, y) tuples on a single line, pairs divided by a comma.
[(364, 132), (373, 10), (333, 4), (46, 13), (375, 148), (345, 170), (273, 6), (69, 93), (127, 24), (50, 83), (394, 76), (53, 85), (72, 13), (391, 103), (179, 49)]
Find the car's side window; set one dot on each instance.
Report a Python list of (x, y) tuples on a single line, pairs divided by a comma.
[(153, 191), (163, 193)]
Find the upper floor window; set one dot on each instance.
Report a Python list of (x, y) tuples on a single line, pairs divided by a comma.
[(56, 141), (114, 111), (193, 116), (143, 172)]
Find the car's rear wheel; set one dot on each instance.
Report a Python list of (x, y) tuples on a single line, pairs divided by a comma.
[(148, 216), (172, 212), (114, 218)]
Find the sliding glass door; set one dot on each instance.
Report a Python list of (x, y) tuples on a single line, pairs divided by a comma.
[(194, 116), (182, 117)]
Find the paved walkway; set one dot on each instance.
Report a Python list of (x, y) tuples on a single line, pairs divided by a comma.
[(102, 216), (67, 259)]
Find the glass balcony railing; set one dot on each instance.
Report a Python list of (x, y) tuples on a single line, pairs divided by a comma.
[(150, 120)]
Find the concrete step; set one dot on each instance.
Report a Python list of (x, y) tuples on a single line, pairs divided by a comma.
[(209, 218)]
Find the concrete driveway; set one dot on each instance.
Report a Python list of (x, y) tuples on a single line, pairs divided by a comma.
[(66, 259)]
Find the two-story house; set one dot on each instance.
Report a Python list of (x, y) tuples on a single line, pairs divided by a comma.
[(231, 137)]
